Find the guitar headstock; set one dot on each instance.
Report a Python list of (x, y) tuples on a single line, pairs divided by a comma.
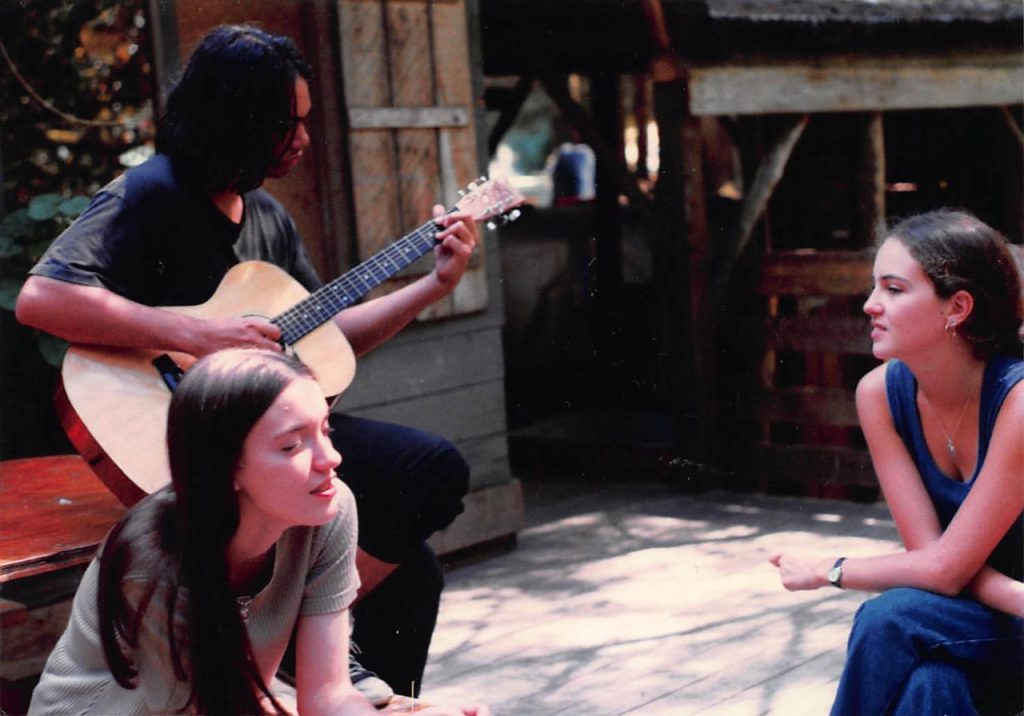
[(488, 199)]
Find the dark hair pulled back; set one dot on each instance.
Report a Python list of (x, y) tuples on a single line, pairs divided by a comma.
[(959, 252)]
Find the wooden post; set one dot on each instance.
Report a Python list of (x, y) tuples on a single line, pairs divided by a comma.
[(607, 118), (642, 115), (331, 156), (607, 317), (870, 216), (578, 119), (681, 276), (1009, 162)]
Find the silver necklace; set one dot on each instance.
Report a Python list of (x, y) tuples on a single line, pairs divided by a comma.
[(950, 447)]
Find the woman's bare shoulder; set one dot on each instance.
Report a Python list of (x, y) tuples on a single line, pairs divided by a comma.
[(871, 387)]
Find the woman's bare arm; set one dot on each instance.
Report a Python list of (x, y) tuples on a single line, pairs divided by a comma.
[(947, 561)]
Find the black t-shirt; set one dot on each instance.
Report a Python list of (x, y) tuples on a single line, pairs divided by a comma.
[(145, 237)]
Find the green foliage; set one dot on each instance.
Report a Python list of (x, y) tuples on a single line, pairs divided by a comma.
[(88, 60), (24, 235), (75, 109)]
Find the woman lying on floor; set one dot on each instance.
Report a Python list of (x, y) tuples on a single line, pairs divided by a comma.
[(942, 418), (191, 602)]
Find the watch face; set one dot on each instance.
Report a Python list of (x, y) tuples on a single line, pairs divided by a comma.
[(833, 575)]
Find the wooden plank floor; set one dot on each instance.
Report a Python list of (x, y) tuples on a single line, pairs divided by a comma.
[(645, 600)]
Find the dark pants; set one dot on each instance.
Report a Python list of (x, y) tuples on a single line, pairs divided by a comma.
[(915, 652), (408, 484)]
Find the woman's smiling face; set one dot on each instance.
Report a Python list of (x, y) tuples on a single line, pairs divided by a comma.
[(907, 316), (285, 476)]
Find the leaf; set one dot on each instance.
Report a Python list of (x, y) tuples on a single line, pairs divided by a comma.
[(52, 348), (8, 246), (17, 225), (44, 206), (73, 207), (9, 288)]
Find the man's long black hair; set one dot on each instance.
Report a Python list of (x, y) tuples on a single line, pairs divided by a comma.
[(234, 103)]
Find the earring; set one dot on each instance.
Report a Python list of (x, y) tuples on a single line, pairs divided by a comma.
[(951, 328)]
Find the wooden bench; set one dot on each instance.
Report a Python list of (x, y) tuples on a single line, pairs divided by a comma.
[(54, 512)]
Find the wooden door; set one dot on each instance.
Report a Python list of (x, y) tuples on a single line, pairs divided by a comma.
[(412, 142)]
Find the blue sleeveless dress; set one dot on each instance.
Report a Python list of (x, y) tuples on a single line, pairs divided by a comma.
[(914, 652), (947, 494)]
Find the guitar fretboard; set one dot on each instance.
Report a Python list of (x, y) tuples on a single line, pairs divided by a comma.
[(327, 301)]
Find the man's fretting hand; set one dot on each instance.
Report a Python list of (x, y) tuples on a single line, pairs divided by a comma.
[(457, 238)]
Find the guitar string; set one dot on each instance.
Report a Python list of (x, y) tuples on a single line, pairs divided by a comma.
[(355, 276), (311, 312), (321, 305), (369, 273)]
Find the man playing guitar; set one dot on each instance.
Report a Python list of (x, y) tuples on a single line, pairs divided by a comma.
[(166, 232)]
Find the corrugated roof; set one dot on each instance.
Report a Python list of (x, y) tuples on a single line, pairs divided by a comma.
[(865, 11)]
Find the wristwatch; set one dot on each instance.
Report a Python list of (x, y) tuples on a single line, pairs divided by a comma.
[(835, 575)]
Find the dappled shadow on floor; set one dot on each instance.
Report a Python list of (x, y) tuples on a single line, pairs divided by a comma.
[(639, 599)]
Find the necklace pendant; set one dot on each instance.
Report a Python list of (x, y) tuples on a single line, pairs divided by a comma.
[(243, 607), (950, 448)]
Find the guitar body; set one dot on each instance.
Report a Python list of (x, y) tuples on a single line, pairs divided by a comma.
[(113, 402)]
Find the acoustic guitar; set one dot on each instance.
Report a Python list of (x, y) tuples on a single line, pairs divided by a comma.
[(113, 402)]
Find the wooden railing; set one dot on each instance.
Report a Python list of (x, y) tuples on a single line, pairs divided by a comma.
[(799, 407)]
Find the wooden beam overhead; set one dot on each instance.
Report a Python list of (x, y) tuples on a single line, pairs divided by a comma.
[(850, 83)]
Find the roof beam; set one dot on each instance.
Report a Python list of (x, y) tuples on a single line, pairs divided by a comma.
[(848, 83)]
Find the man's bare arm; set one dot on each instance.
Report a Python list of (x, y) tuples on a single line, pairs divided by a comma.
[(97, 316), (369, 324)]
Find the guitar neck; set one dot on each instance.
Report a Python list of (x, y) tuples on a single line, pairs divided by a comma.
[(329, 300)]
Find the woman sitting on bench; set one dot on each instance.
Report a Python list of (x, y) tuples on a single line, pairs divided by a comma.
[(942, 418), (195, 593)]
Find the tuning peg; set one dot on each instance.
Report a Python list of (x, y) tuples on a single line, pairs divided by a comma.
[(461, 193), (513, 215), (491, 225)]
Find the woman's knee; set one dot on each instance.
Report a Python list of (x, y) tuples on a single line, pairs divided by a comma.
[(890, 614)]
